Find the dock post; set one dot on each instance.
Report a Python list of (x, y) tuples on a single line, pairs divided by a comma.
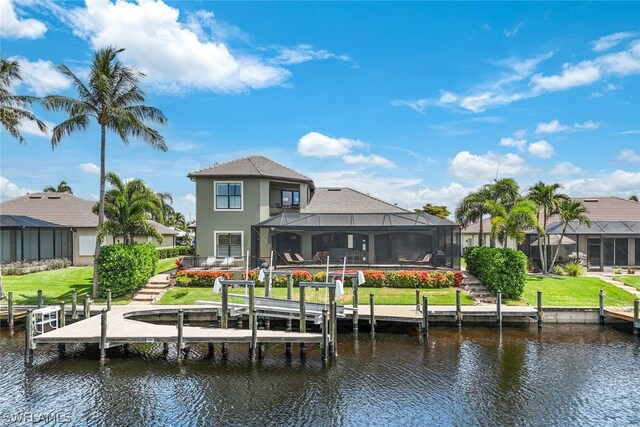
[(87, 307), (303, 320), (180, 343), (539, 309), (499, 309), (74, 305), (601, 306), (62, 316), (254, 334), (334, 329), (211, 350), (425, 315), (108, 299), (636, 316), (103, 335), (28, 338), (252, 306), (10, 309), (355, 304), (289, 297), (40, 299), (225, 307), (372, 315), (325, 335), (458, 309), (417, 299)]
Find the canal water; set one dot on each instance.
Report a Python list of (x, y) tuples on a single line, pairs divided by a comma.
[(565, 376)]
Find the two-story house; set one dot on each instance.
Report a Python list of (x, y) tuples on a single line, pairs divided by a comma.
[(255, 204)]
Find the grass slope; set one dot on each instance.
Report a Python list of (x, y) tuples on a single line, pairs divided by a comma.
[(382, 296), (563, 291), (631, 280)]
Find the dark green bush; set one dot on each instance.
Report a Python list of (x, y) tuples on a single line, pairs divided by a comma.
[(125, 268), (500, 269), (175, 251)]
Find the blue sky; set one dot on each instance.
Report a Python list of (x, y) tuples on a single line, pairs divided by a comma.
[(411, 102)]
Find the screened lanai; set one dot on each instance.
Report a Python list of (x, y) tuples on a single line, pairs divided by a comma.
[(23, 238), (369, 239)]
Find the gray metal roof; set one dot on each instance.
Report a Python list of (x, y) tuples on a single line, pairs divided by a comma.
[(599, 227), (22, 221), (371, 221), (252, 166), (347, 200)]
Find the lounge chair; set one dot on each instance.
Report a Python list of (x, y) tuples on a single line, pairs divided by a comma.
[(410, 259), (298, 257), (210, 262), (289, 260), (227, 262), (425, 260)]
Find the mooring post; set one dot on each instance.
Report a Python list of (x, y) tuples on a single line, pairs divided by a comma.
[(303, 319), (62, 316), (425, 315), (180, 343), (372, 315), (87, 307), (10, 309), (252, 306), (40, 299), (225, 307), (289, 297), (28, 338), (601, 306), (499, 309), (539, 309), (103, 335), (325, 335), (355, 303), (417, 299), (108, 299), (636, 316), (254, 333), (334, 329), (458, 308), (74, 305)]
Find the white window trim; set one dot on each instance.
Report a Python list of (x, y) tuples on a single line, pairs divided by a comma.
[(215, 196), (215, 240)]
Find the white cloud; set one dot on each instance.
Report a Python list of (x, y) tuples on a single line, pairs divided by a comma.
[(618, 183), (475, 167), (513, 142), (369, 160), (511, 32), (190, 198), (630, 132), (418, 105), (541, 149), (315, 144), (12, 27), (41, 77), (520, 133), (91, 168), (554, 126), (565, 168), (612, 40), (9, 190), (628, 156), (304, 53), (173, 55), (31, 128)]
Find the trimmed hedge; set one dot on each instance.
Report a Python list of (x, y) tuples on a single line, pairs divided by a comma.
[(125, 268), (175, 251), (500, 269)]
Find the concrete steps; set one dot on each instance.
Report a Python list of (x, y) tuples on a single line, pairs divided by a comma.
[(157, 286)]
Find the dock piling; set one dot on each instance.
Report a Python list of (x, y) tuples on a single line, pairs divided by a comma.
[(325, 325), (74, 305), (103, 335), (601, 306), (355, 304), (40, 299), (333, 328), (372, 317), (289, 297), (425, 315), (636, 316), (62, 315), (10, 318), (458, 309), (417, 299), (499, 309), (87, 307), (254, 334), (28, 338), (539, 312), (180, 343), (108, 299)]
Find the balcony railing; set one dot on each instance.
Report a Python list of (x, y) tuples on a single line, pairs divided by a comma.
[(277, 209)]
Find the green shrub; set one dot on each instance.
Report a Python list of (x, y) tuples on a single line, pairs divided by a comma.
[(557, 270), (174, 252), (201, 278), (26, 267), (125, 268), (500, 269), (573, 269)]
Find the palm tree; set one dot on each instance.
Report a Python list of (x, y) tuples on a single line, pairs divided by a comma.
[(472, 208), (568, 211), (548, 200), (113, 99), (179, 221), (12, 111), (511, 223), (503, 193), (63, 187), (128, 207), (167, 214)]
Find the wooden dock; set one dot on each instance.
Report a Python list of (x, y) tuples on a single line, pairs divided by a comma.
[(410, 313), (619, 313)]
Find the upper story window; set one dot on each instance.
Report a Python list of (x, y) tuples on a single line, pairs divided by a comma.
[(228, 195), (290, 198)]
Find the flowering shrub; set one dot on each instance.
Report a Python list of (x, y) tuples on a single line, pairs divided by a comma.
[(201, 278), (422, 279), (179, 264)]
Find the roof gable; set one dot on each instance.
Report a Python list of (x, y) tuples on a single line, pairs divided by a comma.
[(252, 166), (347, 200)]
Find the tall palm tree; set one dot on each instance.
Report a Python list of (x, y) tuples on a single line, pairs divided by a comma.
[(179, 221), (503, 193), (472, 208), (569, 211), (12, 107), (548, 200), (511, 223), (128, 207), (63, 187), (167, 214), (113, 99)]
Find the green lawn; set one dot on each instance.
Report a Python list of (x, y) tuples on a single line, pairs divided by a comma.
[(57, 285), (382, 296), (571, 292), (631, 280)]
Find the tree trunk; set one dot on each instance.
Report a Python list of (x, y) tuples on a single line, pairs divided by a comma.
[(103, 143), (481, 236), (553, 261), (543, 255)]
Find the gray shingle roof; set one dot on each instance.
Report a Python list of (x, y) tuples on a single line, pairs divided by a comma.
[(347, 200), (252, 166), (163, 229)]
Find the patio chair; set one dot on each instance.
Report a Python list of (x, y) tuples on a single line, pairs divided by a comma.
[(298, 257), (228, 262), (425, 260), (290, 260), (404, 259), (210, 262)]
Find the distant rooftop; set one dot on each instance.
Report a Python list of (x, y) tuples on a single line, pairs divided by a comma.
[(58, 208), (252, 166), (347, 200)]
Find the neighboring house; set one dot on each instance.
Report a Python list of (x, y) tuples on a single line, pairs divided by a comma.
[(612, 240), (255, 204), (71, 234)]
